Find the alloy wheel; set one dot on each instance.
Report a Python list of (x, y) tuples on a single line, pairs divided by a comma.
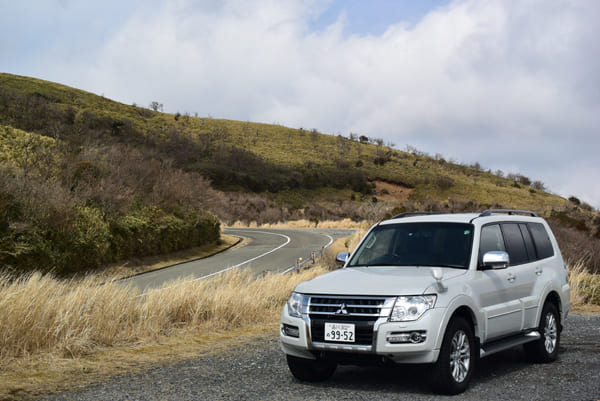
[(460, 356)]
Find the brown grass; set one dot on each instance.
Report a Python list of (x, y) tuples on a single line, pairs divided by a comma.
[(39, 313), (585, 288), (44, 320)]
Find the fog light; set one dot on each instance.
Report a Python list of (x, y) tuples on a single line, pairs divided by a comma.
[(416, 337), (412, 337), (290, 331)]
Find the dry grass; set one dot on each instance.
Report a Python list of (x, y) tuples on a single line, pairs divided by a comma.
[(46, 322), (39, 313), (337, 224), (585, 288)]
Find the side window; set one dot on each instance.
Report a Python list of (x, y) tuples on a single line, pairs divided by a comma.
[(528, 241), (515, 244), (491, 240), (541, 240)]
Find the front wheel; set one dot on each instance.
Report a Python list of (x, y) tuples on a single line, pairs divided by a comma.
[(310, 370), (545, 349), (454, 367)]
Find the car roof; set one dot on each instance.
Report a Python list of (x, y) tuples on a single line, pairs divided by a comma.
[(486, 216), (448, 218)]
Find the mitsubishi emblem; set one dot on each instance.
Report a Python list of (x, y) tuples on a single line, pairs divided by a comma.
[(342, 310)]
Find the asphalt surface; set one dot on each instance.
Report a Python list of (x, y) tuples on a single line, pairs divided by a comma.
[(259, 372), (265, 250)]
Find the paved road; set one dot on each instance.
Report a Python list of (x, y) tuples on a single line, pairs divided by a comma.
[(266, 249), (259, 372)]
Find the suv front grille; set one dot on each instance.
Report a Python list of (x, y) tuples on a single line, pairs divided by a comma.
[(321, 305), (363, 312)]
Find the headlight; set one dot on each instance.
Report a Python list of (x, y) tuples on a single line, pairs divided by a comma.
[(407, 309), (294, 304)]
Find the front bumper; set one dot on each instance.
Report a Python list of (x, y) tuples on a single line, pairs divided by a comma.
[(423, 352)]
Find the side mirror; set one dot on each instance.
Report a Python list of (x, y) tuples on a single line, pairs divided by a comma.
[(496, 260), (342, 258)]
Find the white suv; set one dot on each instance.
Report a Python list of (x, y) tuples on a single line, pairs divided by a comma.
[(437, 289)]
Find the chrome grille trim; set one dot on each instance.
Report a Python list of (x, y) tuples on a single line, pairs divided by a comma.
[(359, 306)]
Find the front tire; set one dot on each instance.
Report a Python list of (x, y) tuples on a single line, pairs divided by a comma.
[(545, 349), (454, 367), (310, 370)]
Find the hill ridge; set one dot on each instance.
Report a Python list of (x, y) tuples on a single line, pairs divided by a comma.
[(110, 162)]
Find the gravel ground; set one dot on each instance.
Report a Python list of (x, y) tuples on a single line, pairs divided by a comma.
[(259, 372)]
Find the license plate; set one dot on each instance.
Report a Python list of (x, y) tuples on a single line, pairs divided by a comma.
[(340, 332)]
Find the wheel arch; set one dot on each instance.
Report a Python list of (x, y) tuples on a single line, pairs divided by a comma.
[(554, 298), (466, 312)]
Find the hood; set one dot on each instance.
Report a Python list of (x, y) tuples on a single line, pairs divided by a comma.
[(397, 280)]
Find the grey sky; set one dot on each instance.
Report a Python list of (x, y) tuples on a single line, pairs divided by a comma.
[(511, 84)]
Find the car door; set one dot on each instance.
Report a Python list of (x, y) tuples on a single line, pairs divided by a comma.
[(498, 290), (535, 273)]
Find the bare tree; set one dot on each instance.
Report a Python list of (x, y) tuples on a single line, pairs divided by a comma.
[(538, 185), (156, 106)]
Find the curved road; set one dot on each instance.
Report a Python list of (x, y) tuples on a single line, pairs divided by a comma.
[(271, 250)]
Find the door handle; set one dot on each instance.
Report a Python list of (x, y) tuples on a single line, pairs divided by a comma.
[(511, 277), (539, 271)]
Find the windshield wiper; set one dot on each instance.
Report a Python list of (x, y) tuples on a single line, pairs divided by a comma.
[(409, 264), (445, 265)]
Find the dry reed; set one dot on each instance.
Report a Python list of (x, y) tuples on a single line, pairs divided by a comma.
[(585, 286), (41, 314)]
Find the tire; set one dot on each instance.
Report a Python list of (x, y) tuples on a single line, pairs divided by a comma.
[(453, 370), (545, 349), (310, 370)]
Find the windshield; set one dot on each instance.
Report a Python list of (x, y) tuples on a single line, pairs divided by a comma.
[(416, 244)]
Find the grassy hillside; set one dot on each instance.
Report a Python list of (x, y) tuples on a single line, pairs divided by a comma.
[(86, 180)]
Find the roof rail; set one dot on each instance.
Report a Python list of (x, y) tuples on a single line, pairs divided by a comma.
[(507, 211), (407, 214)]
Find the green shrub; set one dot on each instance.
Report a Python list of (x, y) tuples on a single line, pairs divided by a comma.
[(86, 239), (444, 182), (78, 245), (151, 231)]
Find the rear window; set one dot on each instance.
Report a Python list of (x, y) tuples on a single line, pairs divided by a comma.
[(528, 241), (515, 244), (541, 240)]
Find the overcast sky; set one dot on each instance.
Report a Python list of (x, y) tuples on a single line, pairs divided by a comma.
[(513, 85)]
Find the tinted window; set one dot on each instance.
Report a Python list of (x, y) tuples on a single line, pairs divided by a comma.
[(515, 244), (491, 240), (541, 240), (416, 244), (528, 241)]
